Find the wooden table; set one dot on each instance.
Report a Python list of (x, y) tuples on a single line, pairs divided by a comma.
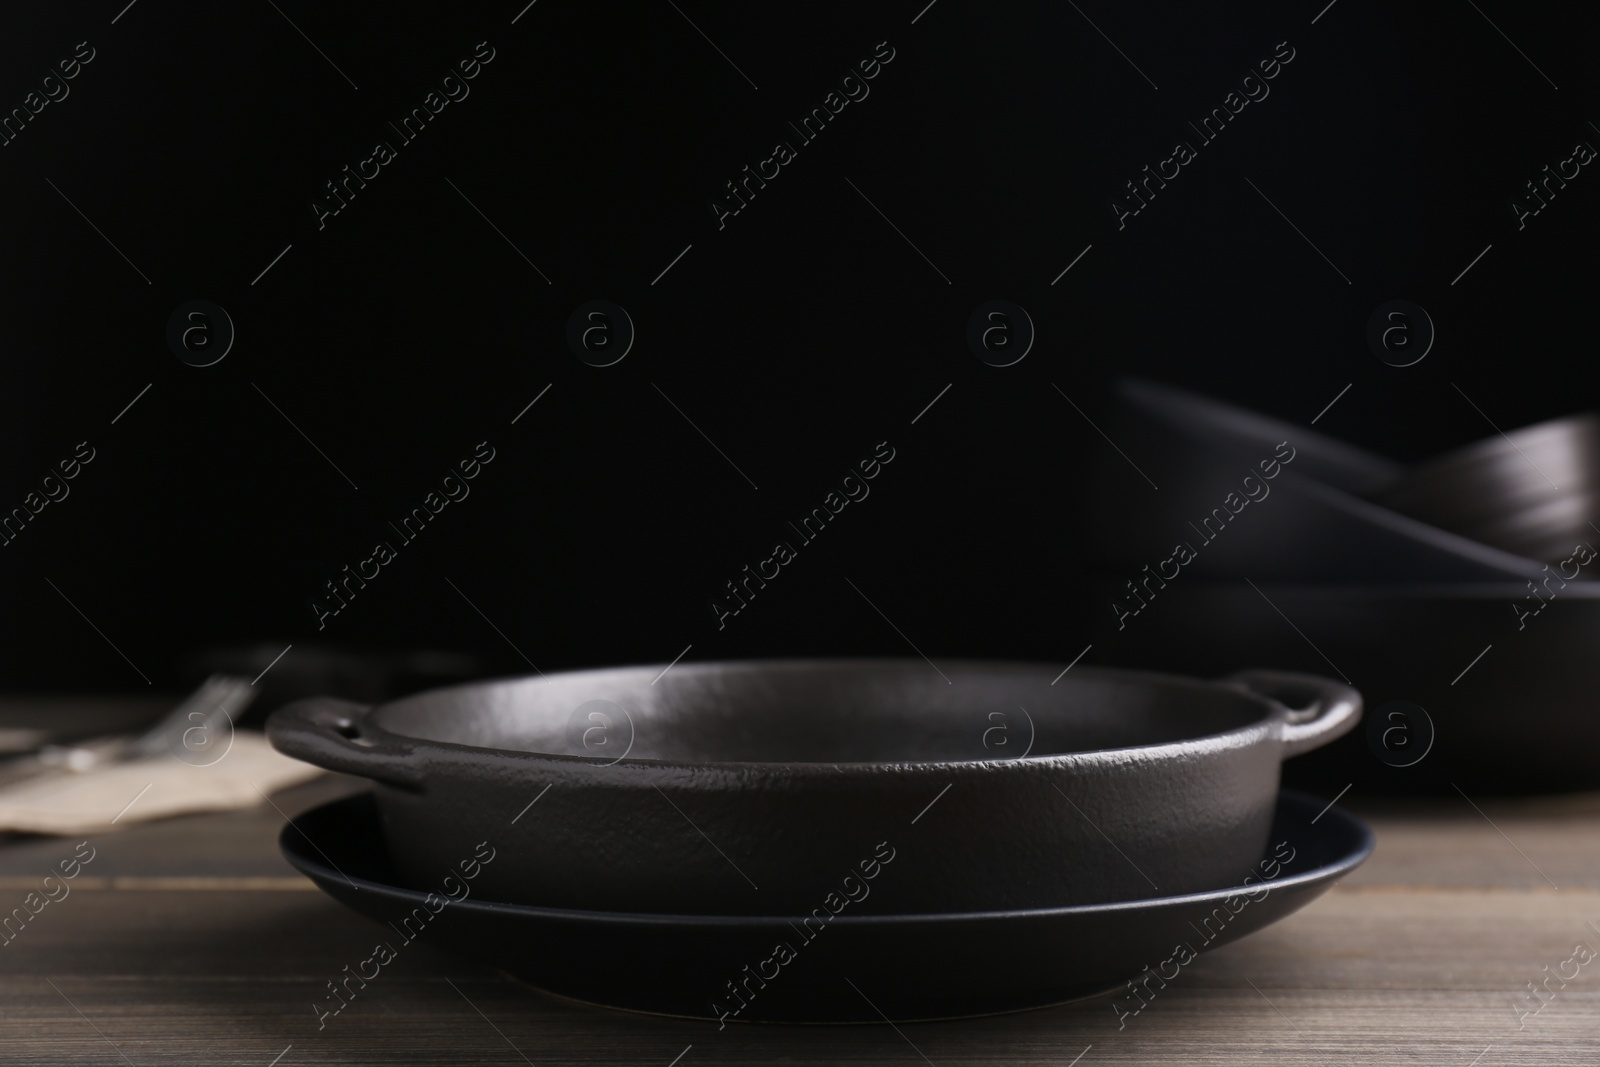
[(191, 942)]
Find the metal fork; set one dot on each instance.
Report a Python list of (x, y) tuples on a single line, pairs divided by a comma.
[(219, 698)]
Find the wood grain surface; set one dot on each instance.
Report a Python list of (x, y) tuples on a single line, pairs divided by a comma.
[(191, 942)]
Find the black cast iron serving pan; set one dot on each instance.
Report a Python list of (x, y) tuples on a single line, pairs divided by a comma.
[(775, 787)]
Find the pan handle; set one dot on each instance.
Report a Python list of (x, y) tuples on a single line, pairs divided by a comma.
[(1315, 710), (330, 733)]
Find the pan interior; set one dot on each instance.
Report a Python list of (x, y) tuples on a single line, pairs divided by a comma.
[(823, 712)]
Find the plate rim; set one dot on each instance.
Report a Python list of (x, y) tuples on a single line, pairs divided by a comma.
[(1366, 842)]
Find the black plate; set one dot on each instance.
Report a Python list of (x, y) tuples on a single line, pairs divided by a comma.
[(856, 968)]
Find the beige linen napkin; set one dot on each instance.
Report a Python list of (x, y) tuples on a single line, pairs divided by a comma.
[(117, 795)]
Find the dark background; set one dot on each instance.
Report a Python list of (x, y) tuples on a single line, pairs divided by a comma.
[(796, 338)]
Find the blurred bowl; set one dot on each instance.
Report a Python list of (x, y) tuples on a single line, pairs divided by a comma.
[(760, 788), (1245, 436), (1534, 491), (1310, 522), (1507, 678)]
